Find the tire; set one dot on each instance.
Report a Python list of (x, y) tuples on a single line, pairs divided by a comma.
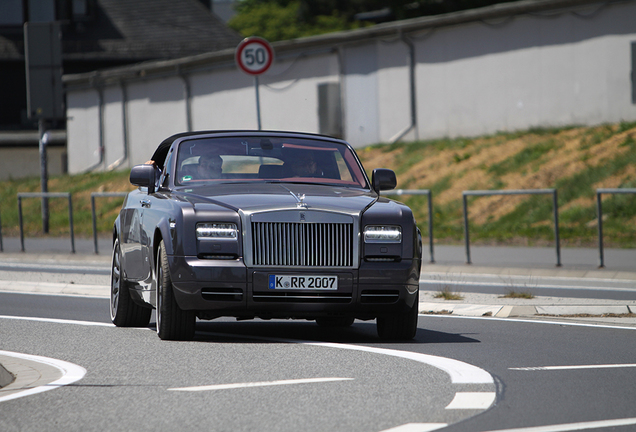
[(124, 312), (399, 327), (335, 322), (173, 323)]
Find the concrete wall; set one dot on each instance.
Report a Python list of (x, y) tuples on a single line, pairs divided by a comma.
[(547, 69), (553, 70), (17, 163)]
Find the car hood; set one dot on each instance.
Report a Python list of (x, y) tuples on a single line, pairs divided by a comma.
[(258, 197)]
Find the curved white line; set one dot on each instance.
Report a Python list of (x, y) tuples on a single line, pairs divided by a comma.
[(460, 372), (58, 321), (70, 374)]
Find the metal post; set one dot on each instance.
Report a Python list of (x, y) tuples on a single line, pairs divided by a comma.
[(599, 215), (44, 181), (66, 195), (466, 233), (1, 246), (70, 221), (20, 221), (94, 222), (430, 225), (258, 102), (556, 228)]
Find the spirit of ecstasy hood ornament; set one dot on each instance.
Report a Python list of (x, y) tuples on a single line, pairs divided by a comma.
[(301, 200)]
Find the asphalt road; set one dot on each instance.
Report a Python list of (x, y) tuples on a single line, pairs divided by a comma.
[(131, 375)]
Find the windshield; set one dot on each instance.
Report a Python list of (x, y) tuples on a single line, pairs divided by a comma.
[(267, 159)]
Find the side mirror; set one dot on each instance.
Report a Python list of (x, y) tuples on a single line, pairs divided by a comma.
[(143, 176), (383, 179)]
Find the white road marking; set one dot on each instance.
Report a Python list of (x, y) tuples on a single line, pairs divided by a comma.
[(533, 286), (574, 367), (70, 374), (460, 372), (257, 384), (573, 426), (58, 321), (417, 427), (533, 321), (472, 400)]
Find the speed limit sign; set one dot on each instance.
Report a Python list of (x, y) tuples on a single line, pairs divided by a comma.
[(254, 55)]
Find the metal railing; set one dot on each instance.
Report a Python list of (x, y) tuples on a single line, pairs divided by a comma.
[(552, 192), (93, 213), (398, 192), (429, 197), (599, 215), (66, 195)]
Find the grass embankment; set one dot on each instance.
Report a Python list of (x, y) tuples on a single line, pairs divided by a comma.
[(576, 161), (80, 186)]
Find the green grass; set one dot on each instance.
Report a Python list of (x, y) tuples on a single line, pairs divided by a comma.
[(520, 160), (80, 187), (512, 294), (447, 294)]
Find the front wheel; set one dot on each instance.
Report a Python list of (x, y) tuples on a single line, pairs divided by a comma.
[(124, 312), (399, 327), (173, 323)]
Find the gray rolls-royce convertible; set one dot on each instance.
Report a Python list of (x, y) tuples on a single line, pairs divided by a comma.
[(269, 225)]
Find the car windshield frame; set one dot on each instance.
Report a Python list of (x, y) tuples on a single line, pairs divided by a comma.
[(209, 160)]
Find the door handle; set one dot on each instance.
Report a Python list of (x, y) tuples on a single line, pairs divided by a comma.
[(145, 202)]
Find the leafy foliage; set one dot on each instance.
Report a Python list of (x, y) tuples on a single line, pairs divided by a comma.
[(288, 19)]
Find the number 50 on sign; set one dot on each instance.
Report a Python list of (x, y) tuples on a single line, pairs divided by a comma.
[(254, 55)]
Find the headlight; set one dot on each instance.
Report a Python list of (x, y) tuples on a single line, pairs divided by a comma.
[(383, 234), (216, 231)]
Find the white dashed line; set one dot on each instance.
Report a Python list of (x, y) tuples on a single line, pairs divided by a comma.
[(574, 426), (549, 368), (257, 384), (472, 400), (417, 427)]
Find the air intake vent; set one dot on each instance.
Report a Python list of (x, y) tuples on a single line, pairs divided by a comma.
[(302, 244)]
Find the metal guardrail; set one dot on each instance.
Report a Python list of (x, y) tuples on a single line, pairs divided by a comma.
[(94, 218), (66, 195), (599, 215), (552, 192), (429, 196)]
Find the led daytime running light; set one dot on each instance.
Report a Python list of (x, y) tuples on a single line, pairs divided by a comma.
[(380, 233), (216, 231)]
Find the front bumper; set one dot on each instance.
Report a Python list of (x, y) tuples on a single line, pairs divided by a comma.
[(216, 288)]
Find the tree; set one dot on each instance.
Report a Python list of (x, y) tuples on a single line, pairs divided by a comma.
[(282, 20), (287, 19)]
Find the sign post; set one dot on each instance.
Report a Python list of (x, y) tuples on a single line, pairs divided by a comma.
[(45, 96), (254, 56)]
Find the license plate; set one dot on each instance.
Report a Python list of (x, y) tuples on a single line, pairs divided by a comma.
[(303, 282)]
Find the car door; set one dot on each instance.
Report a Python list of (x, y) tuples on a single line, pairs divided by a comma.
[(131, 236)]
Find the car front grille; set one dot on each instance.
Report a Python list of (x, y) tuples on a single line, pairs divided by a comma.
[(302, 244)]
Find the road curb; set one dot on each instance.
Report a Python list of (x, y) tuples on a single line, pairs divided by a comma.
[(6, 377)]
